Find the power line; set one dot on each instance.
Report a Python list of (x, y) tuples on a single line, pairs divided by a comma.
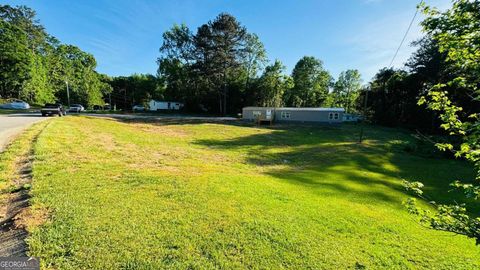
[(405, 36)]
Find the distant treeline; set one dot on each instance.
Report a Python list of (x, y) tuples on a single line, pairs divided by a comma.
[(218, 69), (36, 67), (222, 67), (393, 94)]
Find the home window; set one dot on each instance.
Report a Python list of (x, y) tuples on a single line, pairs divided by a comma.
[(285, 115), (257, 114), (333, 116)]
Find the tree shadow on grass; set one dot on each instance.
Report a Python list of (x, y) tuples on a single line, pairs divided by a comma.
[(168, 121), (329, 158)]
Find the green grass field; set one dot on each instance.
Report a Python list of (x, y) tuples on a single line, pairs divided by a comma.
[(186, 195)]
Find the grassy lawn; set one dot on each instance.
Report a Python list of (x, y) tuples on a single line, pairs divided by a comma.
[(185, 195), (15, 155)]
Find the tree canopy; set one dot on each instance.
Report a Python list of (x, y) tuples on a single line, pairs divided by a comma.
[(457, 33), (346, 89), (36, 67), (311, 83), (272, 86), (218, 67), (223, 67)]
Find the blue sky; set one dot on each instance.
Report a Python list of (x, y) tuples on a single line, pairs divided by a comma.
[(124, 35)]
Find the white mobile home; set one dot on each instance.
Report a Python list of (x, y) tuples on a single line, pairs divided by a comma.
[(318, 115), (155, 105)]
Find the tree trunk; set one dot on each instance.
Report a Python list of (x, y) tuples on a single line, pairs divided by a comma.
[(220, 102), (224, 100)]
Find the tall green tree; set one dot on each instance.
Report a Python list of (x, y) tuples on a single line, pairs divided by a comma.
[(213, 69), (15, 60), (203, 68), (24, 18), (387, 96), (36, 66), (346, 89), (70, 65), (255, 57), (228, 45), (457, 32), (177, 55), (38, 89), (272, 85), (144, 87), (393, 94), (311, 83), (132, 90)]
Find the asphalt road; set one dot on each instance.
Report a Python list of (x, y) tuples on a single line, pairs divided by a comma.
[(12, 124)]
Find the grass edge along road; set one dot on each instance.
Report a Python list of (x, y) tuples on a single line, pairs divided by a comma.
[(15, 153), (185, 194), (16, 216)]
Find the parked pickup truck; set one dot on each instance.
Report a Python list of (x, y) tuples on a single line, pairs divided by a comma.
[(53, 109)]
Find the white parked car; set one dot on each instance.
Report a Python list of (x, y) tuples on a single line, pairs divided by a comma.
[(76, 108), (138, 108), (15, 104)]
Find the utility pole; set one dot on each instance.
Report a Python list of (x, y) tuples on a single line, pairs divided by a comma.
[(125, 100), (364, 116), (68, 94)]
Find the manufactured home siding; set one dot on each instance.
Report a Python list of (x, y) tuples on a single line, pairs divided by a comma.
[(308, 116), (248, 112), (155, 105), (320, 115)]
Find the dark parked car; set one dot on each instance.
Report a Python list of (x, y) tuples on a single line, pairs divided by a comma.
[(53, 109)]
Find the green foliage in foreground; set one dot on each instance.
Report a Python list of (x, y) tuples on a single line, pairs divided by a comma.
[(457, 32), (177, 195)]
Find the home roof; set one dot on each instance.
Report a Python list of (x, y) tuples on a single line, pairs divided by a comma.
[(298, 109), (164, 101)]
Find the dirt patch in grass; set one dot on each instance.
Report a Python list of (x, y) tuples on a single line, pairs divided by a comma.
[(17, 215), (162, 130)]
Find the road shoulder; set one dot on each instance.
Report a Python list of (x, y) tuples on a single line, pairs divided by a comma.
[(10, 131), (15, 182)]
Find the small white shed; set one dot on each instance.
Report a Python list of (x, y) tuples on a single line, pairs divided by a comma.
[(155, 105)]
